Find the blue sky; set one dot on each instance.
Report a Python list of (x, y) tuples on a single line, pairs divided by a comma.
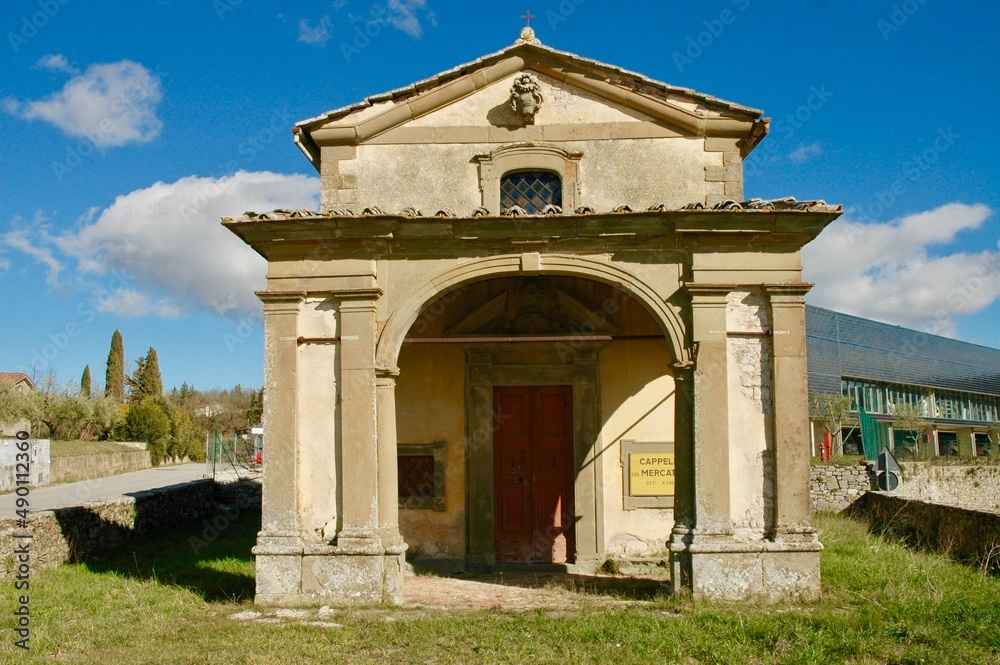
[(127, 129)]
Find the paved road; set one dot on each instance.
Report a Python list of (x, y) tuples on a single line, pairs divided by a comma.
[(72, 494)]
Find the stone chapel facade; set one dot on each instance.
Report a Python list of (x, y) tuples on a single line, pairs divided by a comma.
[(535, 322)]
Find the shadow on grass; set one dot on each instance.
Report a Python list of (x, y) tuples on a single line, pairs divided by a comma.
[(194, 554)]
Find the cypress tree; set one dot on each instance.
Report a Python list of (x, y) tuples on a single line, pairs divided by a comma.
[(85, 382), (154, 382), (114, 380), (145, 382)]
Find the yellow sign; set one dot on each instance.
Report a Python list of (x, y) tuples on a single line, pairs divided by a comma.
[(651, 474)]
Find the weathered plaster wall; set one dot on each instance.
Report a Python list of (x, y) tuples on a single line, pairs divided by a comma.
[(430, 406), (430, 162), (564, 105), (637, 403), (750, 450), (318, 377), (973, 487), (436, 176), (40, 464)]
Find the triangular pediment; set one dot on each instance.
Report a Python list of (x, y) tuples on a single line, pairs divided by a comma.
[(534, 306), (575, 91)]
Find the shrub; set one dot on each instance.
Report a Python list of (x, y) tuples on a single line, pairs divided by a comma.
[(148, 421)]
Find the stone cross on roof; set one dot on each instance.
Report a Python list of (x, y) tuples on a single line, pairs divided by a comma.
[(527, 32)]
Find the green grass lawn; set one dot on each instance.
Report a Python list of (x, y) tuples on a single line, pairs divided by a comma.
[(161, 602), (75, 448)]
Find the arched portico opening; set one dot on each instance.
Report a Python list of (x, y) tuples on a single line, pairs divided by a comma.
[(656, 294), (552, 346)]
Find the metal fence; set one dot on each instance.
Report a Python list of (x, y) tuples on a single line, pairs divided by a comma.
[(238, 455)]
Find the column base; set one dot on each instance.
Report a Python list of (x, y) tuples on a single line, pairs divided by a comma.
[(723, 569), (328, 575)]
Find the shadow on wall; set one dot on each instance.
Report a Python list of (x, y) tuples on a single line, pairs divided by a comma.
[(207, 552), (968, 536)]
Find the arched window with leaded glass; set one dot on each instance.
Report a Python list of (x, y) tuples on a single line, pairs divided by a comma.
[(532, 190)]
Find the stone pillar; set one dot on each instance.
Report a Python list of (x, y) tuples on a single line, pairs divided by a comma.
[(790, 390), (684, 487), (711, 413), (792, 565), (966, 442), (713, 573), (360, 474), (365, 564), (388, 482), (279, 543)]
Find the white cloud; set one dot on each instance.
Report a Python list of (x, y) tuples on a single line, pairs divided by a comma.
[(317, 35), (18, 239), (132, 304), (110, 104), (57, 63), (169, 237), (805, 152), (887, 271), (4, 264), (402, 16)]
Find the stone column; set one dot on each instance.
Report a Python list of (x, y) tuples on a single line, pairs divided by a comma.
[(360, 473), (792, 512), (684, 515), (279, 543), (711, 413), (388, 482)]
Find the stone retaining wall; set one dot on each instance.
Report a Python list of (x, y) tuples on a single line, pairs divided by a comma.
[(971, 536), (85, 467), (834, 487), (976, 487), (75, 533)]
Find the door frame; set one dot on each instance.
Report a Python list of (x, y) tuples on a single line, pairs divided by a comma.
[(571, 363), (532, 504)]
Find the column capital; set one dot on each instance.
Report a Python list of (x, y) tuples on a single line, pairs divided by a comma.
[(357, 294), (386, 376), (791, 294), (279, 301), (708, 294)]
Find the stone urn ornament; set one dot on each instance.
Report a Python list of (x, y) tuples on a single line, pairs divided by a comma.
[(526, 97)]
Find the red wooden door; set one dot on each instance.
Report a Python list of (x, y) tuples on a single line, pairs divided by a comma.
[(533, 466)]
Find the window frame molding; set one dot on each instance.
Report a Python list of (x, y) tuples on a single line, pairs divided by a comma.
[(494, 165), (437, 449)]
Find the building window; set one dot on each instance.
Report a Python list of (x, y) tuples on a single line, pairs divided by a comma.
[(555, 165), (416, 476), (532, 190), (421, 472), (947, 443), (983, 445)]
